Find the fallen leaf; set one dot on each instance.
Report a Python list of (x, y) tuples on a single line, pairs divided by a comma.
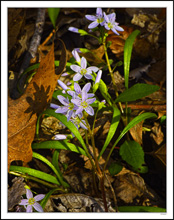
[(15, 192), (129, 185), (136, 132), (161, 154), (74, 202), (157, 134), (118, 41), (23, 112), (95, 56)]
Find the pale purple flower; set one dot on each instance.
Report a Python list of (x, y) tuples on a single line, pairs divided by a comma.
[(98, 19), (60, 137), (84, 104), (77, 121), (99, 74), (78, 91), (63, 85), (76, 56), (110, 23), (82, 70), (31, 202), (68, 107), (73, 29), (64, 74)]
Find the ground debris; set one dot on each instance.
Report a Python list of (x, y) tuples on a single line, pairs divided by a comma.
[(74, 202), (15, 192)]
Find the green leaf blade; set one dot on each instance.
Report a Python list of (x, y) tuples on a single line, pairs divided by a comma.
[(53, 13), (68, 124), (140, 209), (127, 55), (132, 153), (115, 168), (137, 91), (36, 173), (112, 130), (136, 120), (59, 145)]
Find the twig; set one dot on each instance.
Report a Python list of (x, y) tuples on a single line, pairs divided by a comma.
[(31, 53)]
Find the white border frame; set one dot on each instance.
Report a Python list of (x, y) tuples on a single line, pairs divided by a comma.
[(4, 109)]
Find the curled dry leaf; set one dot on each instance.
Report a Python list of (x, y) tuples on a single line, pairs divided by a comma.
[(23, 112), (157, 134)]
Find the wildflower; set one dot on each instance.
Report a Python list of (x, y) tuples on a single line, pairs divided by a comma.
[(82, 70), (78, 91), (32, 202), (78, 122), (111, 24), (73, 29), (60, 137), (61, 84), (68, 107), (98, 19), (76, 56), (97, 80), (84, 104)]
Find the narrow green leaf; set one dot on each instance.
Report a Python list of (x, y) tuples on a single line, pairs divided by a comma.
[(55, 160), (64, 145), (132, 153), (115, 168), (53, 13), (112, 129), (132, 123), (127, 55), (36, 173), (137, 91), (47, 196), (59, 176), (68, 124), (140, 209)]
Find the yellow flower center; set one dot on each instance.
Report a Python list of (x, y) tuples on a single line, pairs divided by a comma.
[(84, 104), (31, 201), (83, 71), (100, 20), (71, 106), (110, 25)]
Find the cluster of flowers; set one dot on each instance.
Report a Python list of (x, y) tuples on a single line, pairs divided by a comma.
[(80, 98), (108, 21)]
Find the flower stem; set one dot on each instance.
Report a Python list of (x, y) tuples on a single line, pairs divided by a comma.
[(111, 73)]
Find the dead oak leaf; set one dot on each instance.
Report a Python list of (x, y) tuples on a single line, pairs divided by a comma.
[(23, 112)]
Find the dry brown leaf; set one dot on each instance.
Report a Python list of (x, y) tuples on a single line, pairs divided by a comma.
[(136, 132), (129, 185), (161, 154), (23, 112), (157, 134), (118, 41), (95, 57)]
